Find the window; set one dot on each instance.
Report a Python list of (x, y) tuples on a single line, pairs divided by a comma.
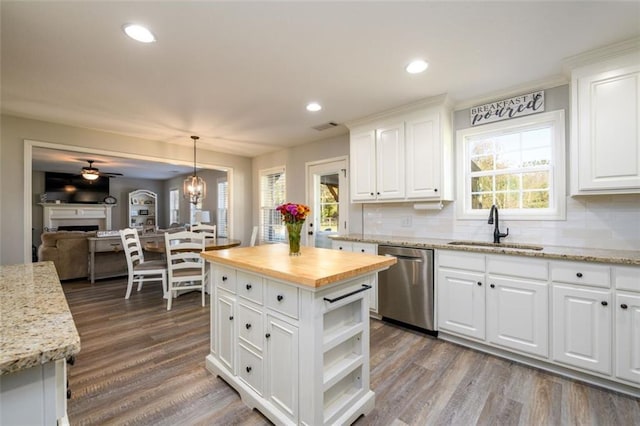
[(174, 206), (193, 209), (222, 223), (272, 193), (517, 165)]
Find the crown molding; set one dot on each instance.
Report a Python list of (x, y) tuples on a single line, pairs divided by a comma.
[(601, 54)]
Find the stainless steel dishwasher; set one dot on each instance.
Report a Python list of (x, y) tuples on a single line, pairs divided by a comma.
[(405, 290)]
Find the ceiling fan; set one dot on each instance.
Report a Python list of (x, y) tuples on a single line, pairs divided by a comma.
[(92, 173)]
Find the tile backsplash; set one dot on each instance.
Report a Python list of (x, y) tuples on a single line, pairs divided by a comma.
[(597, 221)]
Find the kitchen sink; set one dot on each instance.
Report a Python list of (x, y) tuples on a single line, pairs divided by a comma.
[(496, 245)]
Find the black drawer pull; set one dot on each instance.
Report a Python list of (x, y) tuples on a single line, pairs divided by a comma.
[(248, 369), (231, 318), (604, 303), (579, 275), (267, 335), (364, 288), (624, 306), (248, 286), (247, 326), (492, 285), (279, 297), (479, 283), (224, 278)]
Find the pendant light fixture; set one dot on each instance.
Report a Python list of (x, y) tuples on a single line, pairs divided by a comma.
[(194, 188)]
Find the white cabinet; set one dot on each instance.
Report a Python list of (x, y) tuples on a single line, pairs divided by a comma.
[(362, 248), (282, 365), (627, 323), (225, 308), (403, 155), (377, 164), (605, 144), (143, 210), (460, 293)]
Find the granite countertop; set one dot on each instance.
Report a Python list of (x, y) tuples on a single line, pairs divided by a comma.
[(36, 325), (315, 267), (621, 257)]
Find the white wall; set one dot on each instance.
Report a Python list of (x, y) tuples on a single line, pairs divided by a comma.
[(592, 221), (14, 131)]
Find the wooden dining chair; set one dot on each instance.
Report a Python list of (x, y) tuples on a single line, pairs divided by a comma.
[(210, 230), (186, 269), (140, 270)]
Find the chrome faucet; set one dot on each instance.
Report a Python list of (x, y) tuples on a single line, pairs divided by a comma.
[(496, 230)]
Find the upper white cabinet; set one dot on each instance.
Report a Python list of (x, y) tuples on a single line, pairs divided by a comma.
[(605, 132), (403, 155), (143, 208)]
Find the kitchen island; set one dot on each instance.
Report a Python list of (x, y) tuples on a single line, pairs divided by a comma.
[(291, 334), (38, 335)]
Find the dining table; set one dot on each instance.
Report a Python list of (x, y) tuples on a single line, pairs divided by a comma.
[(210, 244)]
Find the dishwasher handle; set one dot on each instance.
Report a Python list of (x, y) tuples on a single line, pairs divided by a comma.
[(409, 258)]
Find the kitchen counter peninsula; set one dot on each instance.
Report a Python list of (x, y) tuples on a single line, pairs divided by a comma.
[(38, 334), (291, 333)]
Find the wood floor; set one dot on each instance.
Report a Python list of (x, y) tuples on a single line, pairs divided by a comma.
[(142, 365)]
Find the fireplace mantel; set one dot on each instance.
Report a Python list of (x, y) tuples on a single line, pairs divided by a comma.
[(76, 214)]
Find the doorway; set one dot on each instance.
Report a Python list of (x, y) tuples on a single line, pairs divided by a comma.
[(327, 196)]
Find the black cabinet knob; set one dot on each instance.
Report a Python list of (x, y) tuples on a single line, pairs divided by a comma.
[(624, 306), (371, 193), (248, 369), (267, 335), (604, 303), (579, 275), (492, 285), (247, 326), (479, 283), (231, 318), (280, 297), (362, 250), (377, 193), (224, 278), (435, 189), (248, 286)]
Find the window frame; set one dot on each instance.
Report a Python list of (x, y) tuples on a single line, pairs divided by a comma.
[(263, 234), (174, 209), (557, 181), (222, 216)]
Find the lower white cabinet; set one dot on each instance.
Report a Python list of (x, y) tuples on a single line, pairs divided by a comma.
[(582, 320), (299, 355), (461, 304), (627, 314), (362, 248)]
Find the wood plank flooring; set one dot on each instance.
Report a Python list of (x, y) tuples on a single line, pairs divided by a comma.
[(142, 365)]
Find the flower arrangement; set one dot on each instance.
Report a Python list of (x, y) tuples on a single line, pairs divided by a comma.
[(292, 212), (293, 216)]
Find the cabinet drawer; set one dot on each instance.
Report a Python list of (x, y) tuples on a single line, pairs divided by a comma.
[(461, 260), (342, 245), (225, 278), (581, 273), (250, 326), (627, 278), (516, 267), (110, 244), (250, 286), (250, 369), (365, 248), (282, 298)]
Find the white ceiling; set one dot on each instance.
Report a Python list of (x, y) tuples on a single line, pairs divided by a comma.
[(239, 74)]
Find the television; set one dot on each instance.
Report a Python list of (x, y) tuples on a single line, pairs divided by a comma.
[(70, 188)]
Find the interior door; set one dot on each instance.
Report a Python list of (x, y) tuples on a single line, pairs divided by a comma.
[(327, 196)]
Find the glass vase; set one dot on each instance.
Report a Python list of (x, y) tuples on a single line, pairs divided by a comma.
[(293, 230)]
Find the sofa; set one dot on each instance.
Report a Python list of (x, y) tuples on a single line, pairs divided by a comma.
[(69, 252)]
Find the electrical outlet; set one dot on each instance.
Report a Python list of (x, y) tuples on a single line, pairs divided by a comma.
[(406, 222)]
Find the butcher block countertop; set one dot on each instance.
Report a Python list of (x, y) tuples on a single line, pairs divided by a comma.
[(315, 267), (36, 325)]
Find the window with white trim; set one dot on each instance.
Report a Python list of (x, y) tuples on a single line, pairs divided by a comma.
[(174, 206), (272, 193), (222, 221), (517, 165)]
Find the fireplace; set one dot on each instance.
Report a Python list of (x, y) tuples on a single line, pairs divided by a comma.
[(78, 228)]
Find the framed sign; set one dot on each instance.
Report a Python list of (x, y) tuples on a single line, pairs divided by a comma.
[(508, 108)]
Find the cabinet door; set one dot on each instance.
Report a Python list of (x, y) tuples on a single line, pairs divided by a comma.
[(423, 157), (582, 320), (518, 314), (373, 293), (226, 336), (363, 166), (461, 304), (608, 143), (390, 173), (282, 366), (628, 337)]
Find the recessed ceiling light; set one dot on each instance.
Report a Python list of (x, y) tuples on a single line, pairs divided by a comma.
[(417, 66), (139, 33), (314, 106)]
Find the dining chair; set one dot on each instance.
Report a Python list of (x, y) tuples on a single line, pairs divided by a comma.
[(254, 236), (186, 269), (139, 269), (210, 230)]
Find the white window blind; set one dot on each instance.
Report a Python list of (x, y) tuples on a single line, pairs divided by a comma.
[(222, 221), (174, 206), (272, 194)]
